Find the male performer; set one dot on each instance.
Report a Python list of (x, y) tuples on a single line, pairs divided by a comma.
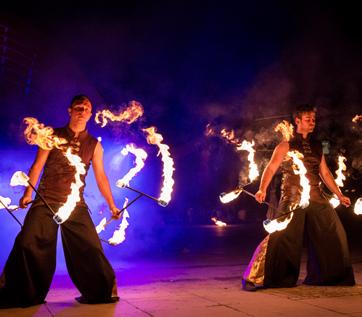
[(30, 267), (276, 260)]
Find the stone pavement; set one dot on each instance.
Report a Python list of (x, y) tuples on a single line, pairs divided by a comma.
[(183, 287)]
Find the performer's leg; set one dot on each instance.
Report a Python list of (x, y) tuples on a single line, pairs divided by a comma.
[(87, 265), (328, 254), (30, 267), (276, 261)]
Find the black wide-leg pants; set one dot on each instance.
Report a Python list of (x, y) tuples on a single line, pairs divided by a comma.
[(328, 255), (31, 264)]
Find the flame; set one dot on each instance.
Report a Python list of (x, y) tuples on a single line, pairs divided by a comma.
[(5, 203), (64, 211), (286, 129), (276, 225), (358, 206), (334, 201), (228, 197), (299, 169), (37, 133), (120, 234), (253, 168), (357, 117), (339, 172), (218, 222), (168, 182), (140, 155), (102, 225), (133, 111), (19, 178), (209, 130), (229, 135)]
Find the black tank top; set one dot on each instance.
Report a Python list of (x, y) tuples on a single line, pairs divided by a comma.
[(312, 152), (58, 174)]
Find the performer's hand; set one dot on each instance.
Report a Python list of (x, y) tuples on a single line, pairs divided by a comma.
[(115, 212), (260, 196), (24, 201), (345, 201)]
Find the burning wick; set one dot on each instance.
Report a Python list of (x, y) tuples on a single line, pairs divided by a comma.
[(218, 222), (334, 201), (357, 117), (358, 206), (272, 225)]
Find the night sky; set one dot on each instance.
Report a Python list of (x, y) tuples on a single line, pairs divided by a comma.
[(232, 64)]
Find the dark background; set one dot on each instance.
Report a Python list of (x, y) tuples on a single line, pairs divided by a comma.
[(234, 64)]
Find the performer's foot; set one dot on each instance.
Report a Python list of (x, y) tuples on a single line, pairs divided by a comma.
[(82, 300), (249, 286)]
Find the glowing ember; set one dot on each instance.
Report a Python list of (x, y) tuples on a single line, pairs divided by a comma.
[(334, 201), (209, 130), (140, 155), (358, 206), (218, 222), (37, 133), (64, 211), (299, 169), (277, 225), (5, 203), (128, 115), (19, 178), (357, 118), (228, 197), (286, 129), (101, 225), (168, 182), (120, 234), (229, 135), (253, 168)]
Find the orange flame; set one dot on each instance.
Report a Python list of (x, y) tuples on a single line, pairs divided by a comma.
[(299, 169), (218, 222), (120, 234), (253, 168), (133, 111), (358, 206), (286, 129), (229, 135), (102, 225), (168, 182), (277, 225), (140, 155), (5, 203), (357, 118), (228, 197), (65, 210), (37, 133), (334, 201)]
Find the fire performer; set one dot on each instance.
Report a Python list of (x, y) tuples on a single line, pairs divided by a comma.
[(31, 265), (276, 261)]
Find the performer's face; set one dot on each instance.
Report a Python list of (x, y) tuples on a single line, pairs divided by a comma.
[(81, 112), (306, 123)]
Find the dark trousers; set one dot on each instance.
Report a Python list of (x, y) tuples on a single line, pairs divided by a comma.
[(328, 254), (31, 264)]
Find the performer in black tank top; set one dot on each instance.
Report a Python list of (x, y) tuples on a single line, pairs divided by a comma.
[(276, 261), (29, 270)]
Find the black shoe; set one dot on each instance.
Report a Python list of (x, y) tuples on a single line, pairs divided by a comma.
[(248, 286), (82, 300)]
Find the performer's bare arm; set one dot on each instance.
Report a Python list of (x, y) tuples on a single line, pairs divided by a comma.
[(34, 173), (102, 179), (277, 158), (328, 179)]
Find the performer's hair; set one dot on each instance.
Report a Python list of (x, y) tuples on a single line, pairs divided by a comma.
[(78, 99), (303, 108)]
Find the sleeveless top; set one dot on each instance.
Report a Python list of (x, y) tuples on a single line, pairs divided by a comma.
[(58, 174), (312, 152)]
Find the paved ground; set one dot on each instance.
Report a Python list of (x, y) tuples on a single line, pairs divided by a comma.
[(203, 284)]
